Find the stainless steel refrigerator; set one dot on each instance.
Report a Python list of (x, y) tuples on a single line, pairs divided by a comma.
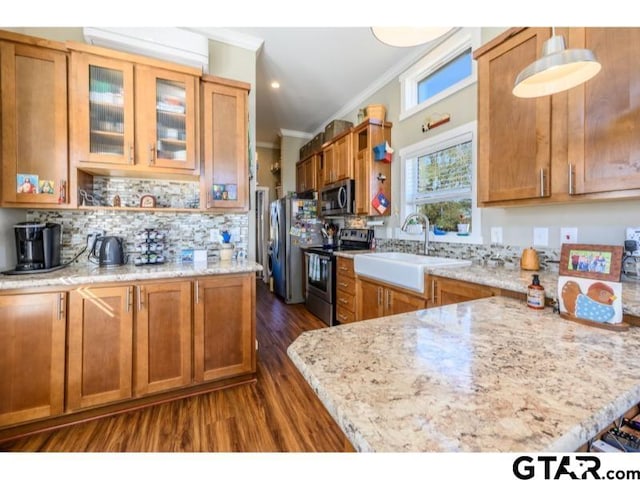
[(294, 223)]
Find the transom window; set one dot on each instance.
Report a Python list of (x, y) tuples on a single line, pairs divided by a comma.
[(444, 70)]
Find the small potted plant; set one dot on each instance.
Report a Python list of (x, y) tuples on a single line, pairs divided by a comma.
[(463, 225), (226, 248)]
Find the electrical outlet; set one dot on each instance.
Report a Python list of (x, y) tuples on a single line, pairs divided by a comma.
[(568, 235), (496, 235), (541, 237), (214, 235)]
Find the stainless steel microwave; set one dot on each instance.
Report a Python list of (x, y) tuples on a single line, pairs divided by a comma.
[(338, 198)]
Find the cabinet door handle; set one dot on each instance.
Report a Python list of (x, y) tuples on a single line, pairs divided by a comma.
[(129, 298), (433, 291), (151, 153), (389, 299), (197, 292), (542, 182), (379, 296), (140, 298), (571, 192), (131, 154), (61, 309)]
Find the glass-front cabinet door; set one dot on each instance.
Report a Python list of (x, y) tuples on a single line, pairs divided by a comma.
[(103, 126), (165, 118)]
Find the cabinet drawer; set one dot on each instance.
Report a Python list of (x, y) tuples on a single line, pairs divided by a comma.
[(346, 284), (344, 316), (345, 267), (347, 301)]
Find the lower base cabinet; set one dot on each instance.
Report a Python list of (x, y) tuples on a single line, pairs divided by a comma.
[(224, 327), (120, 343), (100, 339), (376, 300), (163, 337), (445, 291), (32, 349)]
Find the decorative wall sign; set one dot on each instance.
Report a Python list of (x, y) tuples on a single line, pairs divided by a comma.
[(589, 287), (147, 201)]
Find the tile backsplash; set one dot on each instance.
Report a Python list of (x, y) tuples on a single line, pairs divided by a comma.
[(182, 230)]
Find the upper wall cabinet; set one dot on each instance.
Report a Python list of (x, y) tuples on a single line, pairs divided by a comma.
[(514, 134), (604, 117), (33, 96), (581, 144), (225, 180), (337, 159), (130, 116)]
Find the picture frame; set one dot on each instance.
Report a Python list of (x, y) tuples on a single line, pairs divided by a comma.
[(597, 262), (147, 201)]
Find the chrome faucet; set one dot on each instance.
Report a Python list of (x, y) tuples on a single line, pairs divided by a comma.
[(425, 221)]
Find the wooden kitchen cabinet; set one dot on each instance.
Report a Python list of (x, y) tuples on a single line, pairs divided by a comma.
[(514, 134), (445, 291), (592, 152), (346, 305), (34, 131), (163, 336), (100, 346), (375, 299), (225, 144), (224, 327), (368, 172), (32, 356), (307, 174), (603, 115), (337, 159), (132, 117)]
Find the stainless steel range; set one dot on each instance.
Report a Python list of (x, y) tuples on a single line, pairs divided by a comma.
[(320, 293)]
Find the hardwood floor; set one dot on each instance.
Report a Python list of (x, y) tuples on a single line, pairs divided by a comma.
[(278, 413)]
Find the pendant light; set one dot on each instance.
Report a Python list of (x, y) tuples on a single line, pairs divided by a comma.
[(557, 70), (408, 36)]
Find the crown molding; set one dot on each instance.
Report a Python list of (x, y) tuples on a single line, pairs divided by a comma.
[(295, 133), (230, 37), (390, 75), (272, 146)]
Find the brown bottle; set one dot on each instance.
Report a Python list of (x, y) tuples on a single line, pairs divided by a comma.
[(535, 294)]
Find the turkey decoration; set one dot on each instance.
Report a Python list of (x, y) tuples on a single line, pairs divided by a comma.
[(588, 299)]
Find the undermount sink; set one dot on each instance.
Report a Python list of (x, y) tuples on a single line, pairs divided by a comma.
[(402, 269)]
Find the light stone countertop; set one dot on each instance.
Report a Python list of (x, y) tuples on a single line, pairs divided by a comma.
[(486, 375), (90, 274), (517, 280)]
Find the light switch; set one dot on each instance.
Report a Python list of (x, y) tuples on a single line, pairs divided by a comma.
[(568, 235), (496, 235), (541, 237)]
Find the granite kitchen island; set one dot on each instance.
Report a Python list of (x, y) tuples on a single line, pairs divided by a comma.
[(487, 375)]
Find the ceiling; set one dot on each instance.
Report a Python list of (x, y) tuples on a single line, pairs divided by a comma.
[(324, 72)]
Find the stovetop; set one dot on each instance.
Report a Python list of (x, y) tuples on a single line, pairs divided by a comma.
[(350, 239)]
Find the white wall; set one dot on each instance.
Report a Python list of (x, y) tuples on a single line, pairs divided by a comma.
[(289, 156)]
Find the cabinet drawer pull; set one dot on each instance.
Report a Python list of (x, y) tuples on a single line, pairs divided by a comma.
[(342, 284), (343, 301), (342, 317)]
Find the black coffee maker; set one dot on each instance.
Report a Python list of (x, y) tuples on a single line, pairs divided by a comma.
[(37, 246)]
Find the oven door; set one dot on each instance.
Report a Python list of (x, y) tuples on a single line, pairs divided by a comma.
[(320, 275)]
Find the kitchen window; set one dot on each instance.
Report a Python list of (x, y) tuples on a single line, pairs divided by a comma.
[(439, 181), (444, 70)]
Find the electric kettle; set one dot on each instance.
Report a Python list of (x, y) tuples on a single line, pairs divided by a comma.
[(529, 259), (110, 251)]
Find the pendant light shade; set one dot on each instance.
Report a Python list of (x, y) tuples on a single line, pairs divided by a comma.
[(408, 36), (557, 70)]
